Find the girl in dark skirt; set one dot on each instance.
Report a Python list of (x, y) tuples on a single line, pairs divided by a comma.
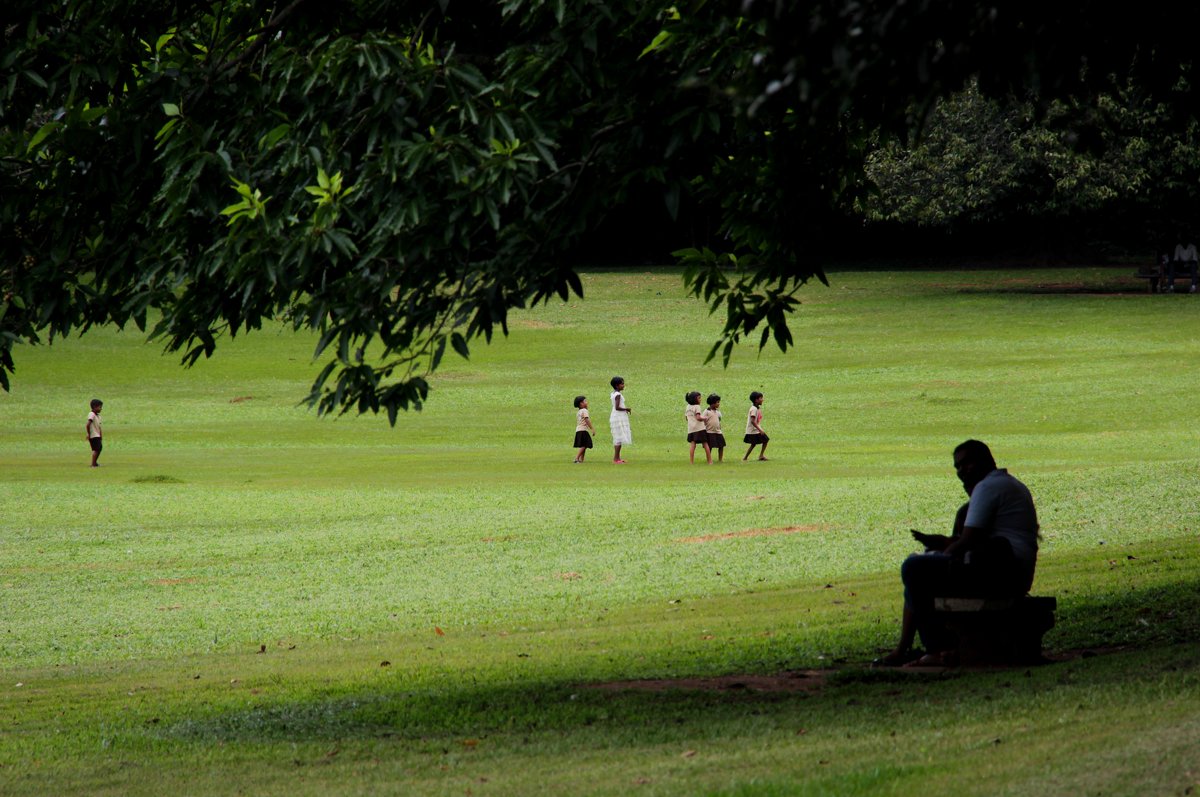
[(583, 428), (754, 431), (695, 426), (712, 427)]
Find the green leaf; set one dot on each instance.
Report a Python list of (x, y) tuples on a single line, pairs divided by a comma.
[(438, 351), (36, 79), (92, 114), (460, 345), (657, 43), (40, 136), (274, 136), (171, 109), (165, 130)]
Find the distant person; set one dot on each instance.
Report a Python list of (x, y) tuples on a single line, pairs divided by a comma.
[(696, 434), (1184, 257), (618, 419), (992, 552), (755, 435), (583, 428), (712, 428), (93, 433)]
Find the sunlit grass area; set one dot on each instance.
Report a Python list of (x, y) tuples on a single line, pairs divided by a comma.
[(245, 597)]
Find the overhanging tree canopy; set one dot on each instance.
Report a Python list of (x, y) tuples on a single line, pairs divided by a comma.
[(399, 175)]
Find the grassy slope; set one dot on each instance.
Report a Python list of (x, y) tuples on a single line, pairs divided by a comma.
[(135, 598)]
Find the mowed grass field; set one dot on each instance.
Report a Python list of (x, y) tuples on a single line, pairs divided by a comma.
[(246, 598)]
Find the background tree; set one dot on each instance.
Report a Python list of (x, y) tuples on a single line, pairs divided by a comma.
[(395, 176), (1118, 168)]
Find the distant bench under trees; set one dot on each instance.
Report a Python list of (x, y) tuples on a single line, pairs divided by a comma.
[(1156, 275)]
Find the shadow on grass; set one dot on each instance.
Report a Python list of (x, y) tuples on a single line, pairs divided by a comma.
[(1143, 638)]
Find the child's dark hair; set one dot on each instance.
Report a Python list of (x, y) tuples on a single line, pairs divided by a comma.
[(96, 403), (616, 380), (579, 400), (713, 398), (754, 396), (692, 397)]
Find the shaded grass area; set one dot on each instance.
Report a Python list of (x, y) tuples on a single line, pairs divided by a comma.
[(509, 712), (245, 598)]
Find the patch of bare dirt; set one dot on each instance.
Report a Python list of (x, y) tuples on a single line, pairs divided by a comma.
[(529, 323), (240, 399), (170, 582), (732, 535)]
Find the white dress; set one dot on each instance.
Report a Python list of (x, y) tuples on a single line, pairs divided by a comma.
[(618, 421)]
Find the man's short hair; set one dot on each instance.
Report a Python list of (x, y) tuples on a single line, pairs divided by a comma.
[(976, 451)]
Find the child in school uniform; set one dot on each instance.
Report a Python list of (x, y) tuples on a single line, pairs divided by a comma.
[(618, 419), (695, 426), (712, 428), (93, 432), (754, 431), (583, 428)]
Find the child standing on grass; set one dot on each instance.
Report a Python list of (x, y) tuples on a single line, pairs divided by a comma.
[(695, 426), (93, 433), (712, 428), (618, 419), (754, 431), (583, 428)]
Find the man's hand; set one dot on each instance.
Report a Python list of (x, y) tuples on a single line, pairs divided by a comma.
[(932, 542)]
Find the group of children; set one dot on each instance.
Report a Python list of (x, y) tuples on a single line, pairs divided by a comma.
[(703, 425)]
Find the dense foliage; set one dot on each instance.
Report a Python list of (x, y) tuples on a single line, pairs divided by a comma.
[(398, 175), (982, 160)]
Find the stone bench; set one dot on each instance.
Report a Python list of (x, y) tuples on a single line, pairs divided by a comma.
[(998, 630)]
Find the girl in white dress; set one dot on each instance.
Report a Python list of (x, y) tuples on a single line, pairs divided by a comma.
[(618, 419)]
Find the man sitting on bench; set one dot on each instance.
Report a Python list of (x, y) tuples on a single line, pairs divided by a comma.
[(1184, 257), (992, 552)]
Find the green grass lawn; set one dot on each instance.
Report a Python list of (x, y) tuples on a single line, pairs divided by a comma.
[(248, 599)]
